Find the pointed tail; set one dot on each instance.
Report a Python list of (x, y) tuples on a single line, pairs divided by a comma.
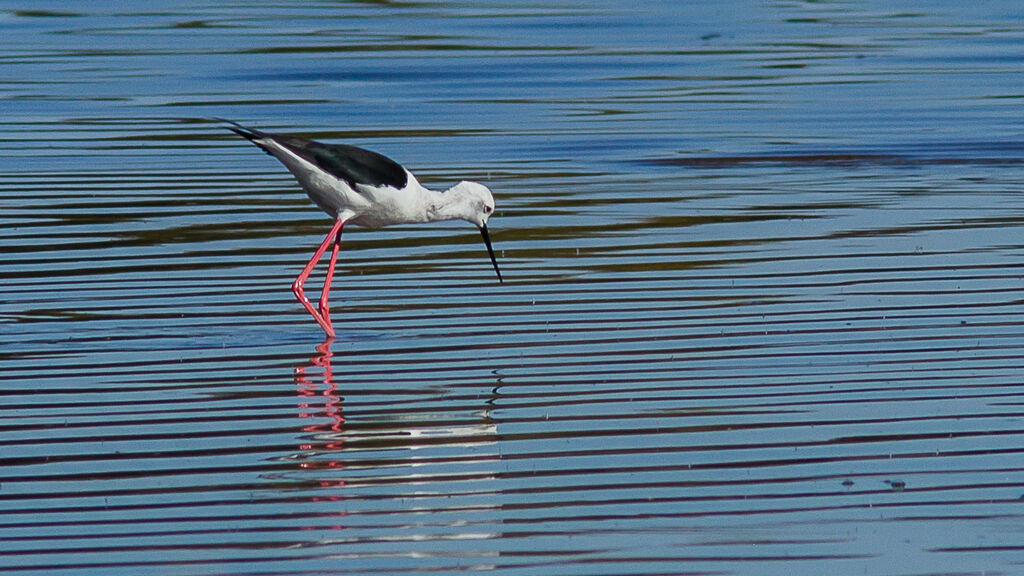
[(251, 134)]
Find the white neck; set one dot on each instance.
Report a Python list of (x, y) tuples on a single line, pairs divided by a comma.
[(448, 205)]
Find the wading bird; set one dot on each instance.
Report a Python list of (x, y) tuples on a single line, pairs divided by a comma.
[(367, 189)]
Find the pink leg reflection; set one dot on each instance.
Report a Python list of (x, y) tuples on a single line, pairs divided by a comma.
[(326, 432)]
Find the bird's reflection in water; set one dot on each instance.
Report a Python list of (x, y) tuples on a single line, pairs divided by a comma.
[(327, 442), (327, 421), (434, 449)]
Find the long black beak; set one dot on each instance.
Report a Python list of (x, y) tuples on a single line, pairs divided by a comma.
[(487, 240)]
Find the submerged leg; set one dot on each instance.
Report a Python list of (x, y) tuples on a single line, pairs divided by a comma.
[(334, 234), (325, 293)]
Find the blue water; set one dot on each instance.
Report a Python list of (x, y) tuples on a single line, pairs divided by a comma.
[(762, 310)]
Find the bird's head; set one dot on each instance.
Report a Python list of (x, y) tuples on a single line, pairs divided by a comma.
[(474, 203)]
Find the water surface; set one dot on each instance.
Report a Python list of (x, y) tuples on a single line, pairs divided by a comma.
[(762, 310)]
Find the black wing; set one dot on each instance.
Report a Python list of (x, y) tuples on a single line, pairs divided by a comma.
[(349, 163)]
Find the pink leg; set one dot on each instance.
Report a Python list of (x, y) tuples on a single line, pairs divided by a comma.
[(326, 292), (334, 234)]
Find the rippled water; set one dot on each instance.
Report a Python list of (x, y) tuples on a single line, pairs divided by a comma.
[(762, 310)]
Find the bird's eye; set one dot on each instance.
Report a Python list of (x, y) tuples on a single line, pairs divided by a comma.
[(487, 209)]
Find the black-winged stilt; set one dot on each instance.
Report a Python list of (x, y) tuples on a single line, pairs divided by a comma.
[(367, 189)]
